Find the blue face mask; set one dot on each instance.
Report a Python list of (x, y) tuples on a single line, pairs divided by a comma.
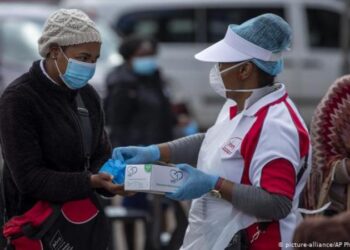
[(144, 65), (77, 73)]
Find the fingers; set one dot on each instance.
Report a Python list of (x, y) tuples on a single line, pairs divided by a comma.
[(106, 176), (133, 160), (113, 188), (127, 193), (117, 154), (121, 191), (125, 154), (177, 195), (185, 167), (170, 196)]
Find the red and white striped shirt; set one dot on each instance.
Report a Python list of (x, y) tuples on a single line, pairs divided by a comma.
[(263, 146)]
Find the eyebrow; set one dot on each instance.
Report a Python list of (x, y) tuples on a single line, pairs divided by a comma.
[(87, 54)]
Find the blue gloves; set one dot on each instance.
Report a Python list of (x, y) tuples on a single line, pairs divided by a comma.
[(197, 184), (115, 168), (128, 155), (137, 155)]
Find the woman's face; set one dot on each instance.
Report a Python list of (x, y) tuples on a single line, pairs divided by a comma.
[(237, 78), (145, 49), (86, 52), (231, 77)]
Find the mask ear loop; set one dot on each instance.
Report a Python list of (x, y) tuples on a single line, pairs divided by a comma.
[(246, 90), (232, 67), (58, 69), (64, 54), (55, 60)]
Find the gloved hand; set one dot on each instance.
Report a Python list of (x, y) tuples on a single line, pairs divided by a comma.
[(197, 184), (115, 168), (137, 155)]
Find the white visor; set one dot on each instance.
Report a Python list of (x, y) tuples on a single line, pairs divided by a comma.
[(234, 48)]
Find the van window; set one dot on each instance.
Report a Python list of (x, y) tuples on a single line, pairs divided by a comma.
[(179, 25), (220, 18), (19, 40), (165, 25), (323, 28)]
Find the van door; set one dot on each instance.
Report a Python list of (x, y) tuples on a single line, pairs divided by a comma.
[(321, 62)]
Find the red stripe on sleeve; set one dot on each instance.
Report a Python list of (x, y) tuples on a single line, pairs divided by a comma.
[(278, 177)]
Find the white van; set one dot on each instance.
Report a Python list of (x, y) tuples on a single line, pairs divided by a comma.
[(185, 27)]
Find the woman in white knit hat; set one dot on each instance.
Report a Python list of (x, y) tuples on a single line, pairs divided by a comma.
[(51, 154)]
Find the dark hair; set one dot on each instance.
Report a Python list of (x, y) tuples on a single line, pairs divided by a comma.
[(130, 44), (264, 78)]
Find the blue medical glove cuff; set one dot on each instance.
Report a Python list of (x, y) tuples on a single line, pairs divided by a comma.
[(213, 180), (155, 152)]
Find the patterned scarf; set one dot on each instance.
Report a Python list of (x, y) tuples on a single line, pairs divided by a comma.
[(330, 138)]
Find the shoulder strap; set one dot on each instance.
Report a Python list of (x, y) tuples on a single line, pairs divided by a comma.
[(85, 127), (302, 169)]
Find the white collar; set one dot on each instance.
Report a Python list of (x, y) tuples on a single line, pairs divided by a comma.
[(45, 73), (266, 100)]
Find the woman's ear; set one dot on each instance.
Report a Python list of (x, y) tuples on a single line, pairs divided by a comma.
[(246, 70), (53, 51)]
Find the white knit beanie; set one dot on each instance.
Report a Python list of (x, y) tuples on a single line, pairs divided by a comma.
[(67, 27)]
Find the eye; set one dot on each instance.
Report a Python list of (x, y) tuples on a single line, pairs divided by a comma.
[(82, 58)]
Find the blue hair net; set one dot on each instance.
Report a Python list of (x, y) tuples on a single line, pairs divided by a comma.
[(270, 32)]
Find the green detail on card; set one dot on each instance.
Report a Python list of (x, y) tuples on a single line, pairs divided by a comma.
[(148, 168)]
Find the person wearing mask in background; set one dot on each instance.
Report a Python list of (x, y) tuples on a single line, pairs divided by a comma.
[(138, 109), (252, 164), (187, 125), (40, 134), (330, 174)]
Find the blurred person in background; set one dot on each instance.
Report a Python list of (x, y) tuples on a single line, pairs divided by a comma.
[(40, 134), (330, 134), (138, 110), (186, 125), (253, 163), (322, 232)]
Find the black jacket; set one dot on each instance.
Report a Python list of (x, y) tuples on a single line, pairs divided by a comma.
[(42, 144), (137, 109)]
